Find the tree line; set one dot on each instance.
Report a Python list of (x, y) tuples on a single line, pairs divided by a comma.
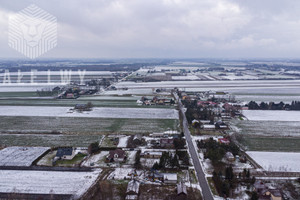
[(295, 105)]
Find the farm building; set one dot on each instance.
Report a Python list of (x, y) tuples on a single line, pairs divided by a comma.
[(152, 154), (65, 153), (132, 190), (170, 178)]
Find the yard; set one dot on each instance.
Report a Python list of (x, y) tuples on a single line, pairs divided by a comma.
[(70, 163)]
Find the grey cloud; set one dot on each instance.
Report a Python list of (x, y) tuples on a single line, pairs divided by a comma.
[(168, 28)]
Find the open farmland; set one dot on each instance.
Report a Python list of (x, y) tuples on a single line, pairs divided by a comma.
[(18, 99), (44, 111), (46, 182), (265, 85), (276, 144), (268, 135), (272, 115), (85, 126), (277, 161), (20, 156), (48, 140), (268, 128)]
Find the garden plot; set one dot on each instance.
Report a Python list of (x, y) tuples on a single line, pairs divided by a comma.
[(149, 162), (277, 161), (46, 182), (20, 156), (44, 111), (96, 160), (272, 115), (121, 173)]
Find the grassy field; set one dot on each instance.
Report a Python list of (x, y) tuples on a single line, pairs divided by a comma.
[(73, 102), (25, 99), (268, 128), (86, 126), (268, 135), (273, 144), (18, 94), (48, 140)]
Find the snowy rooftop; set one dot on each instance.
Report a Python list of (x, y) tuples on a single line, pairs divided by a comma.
[(170, 177)]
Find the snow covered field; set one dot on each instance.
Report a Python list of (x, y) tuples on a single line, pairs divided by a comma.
[(20, 156), (277, 161), (272, 115), (47, 182), (189, 77), (213, 84), (267, 128), (137, 113)]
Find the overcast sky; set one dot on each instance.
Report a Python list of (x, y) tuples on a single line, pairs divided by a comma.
[(167, 28)]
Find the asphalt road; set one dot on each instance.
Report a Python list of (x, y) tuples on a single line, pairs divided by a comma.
[(206, 192)]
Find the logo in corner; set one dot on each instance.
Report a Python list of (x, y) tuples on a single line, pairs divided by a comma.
[(32, 31)]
